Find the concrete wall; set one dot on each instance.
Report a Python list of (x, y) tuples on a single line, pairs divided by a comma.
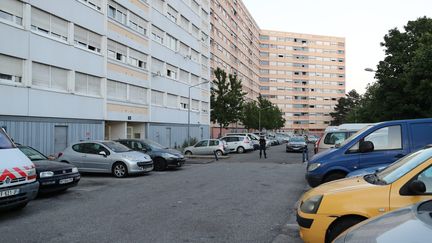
[(160, 133)]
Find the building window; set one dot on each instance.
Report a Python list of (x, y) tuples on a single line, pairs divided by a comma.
[(157, 98), (184, 102), (137, 94), (48, 24), (117, 51), (10, 69), (12, 11), (137, 59), (50, 77), (194, 55), (195, 6), (195, 31), (171, 42), (96, 4), (184, 50), (172, 14), (137, 23), (117, 12), (194, 79), (172, 101), (87, 39), (195, 105), (116, 90), (184, 23), (204, 107), (171, 71), (158, 5), (157, 35), (87, 84), (184, 76)]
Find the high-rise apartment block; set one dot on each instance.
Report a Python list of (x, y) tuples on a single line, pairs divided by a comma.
[(304, 75), (74, 70)]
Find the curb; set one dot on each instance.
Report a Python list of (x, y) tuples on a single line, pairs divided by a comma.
[(206, 157)]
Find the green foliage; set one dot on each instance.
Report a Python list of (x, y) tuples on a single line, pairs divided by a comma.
[(404, 77), (227, 99), (343, 108), (191, 142), (271, 115)]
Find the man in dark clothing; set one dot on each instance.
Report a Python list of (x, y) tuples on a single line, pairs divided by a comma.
[(262, 148)]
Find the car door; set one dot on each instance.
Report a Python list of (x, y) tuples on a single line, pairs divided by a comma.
[(389, 146), (93, 161), (232, 143), (201, 147)]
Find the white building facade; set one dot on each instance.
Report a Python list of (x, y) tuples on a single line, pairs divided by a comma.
[(73, 70)]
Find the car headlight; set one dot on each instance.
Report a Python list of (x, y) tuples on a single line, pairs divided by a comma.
[(74, 170), (311, 205), (168, 155), (313, 166), (45, 174)]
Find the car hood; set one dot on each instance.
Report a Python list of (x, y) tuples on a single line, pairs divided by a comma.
[(366, 171), (135, 156), (324, 154), (296, 143), (170, 151), (49, 165), (401, 225)]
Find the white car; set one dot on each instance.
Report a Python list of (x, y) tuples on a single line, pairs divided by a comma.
[(239, 144), (18, 183)]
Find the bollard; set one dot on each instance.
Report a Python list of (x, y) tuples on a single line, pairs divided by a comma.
[(215, 154)]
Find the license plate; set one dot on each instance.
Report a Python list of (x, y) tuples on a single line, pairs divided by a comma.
[(65, 181), (9, 193)]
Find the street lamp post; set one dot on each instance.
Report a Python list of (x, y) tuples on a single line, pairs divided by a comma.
[(370, 70), (189, 109)]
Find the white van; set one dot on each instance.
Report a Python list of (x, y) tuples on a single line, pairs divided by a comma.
[(18, 183), (337, 134), (253, 137)]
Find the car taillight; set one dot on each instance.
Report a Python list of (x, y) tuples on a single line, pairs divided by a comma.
[(59, 155)]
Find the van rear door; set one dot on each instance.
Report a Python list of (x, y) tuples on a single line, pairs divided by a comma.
[(390, 144)]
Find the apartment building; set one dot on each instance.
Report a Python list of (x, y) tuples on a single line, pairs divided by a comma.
[(304, 75), (235, 45), (74, 70)]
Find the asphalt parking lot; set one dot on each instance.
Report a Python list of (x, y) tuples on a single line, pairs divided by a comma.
[(239, 199)]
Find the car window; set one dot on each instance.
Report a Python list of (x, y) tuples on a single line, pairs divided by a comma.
[(114, 146), (214, 143), (426, 178), (386, 138), (202, 143), (5, 142), (32, 154), (80, 148), (334, 138), (95, 148), (136, 145)]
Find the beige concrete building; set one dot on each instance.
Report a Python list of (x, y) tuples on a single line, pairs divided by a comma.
[(304, 75)]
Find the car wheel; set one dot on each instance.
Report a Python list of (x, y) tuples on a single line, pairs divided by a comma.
[(188, 153), (240, 150), (340, 226), (120, 170), (160, 164), (334, 176), (219, 153)]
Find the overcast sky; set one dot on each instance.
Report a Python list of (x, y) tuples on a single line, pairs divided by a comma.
[(362, 22)]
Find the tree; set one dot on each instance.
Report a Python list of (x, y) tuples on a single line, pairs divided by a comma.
[(271, 115), (404, 77), (343, 108), (226, 99)]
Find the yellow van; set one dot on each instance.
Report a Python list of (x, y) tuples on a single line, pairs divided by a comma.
[(326, 211)]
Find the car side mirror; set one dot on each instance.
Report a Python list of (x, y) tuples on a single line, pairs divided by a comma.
[(366, 146), (417, 187), (103, 153)]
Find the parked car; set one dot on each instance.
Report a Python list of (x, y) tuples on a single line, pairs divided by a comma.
[(410, 224), (313, 139), (329, 209), (239, 144), (269, 141), (18, 183), (207, 147), (162, 157), (331, 138), (253, 137), (53, 176), (377, 145), (296, 144), (106, 157)]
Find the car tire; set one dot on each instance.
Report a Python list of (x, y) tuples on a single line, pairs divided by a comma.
[(219, 153), (334, 176), (188, 153), (119, 170), (240, 150), (340, 226), (160, 164)]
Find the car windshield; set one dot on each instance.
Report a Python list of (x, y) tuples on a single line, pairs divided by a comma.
[(404, 165), (153, 144), (116, 147), (298, 139), (5, 142), (354, 136), (32, 154)]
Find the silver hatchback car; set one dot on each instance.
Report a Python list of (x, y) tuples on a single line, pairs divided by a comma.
[(106, 157), (208, 147)]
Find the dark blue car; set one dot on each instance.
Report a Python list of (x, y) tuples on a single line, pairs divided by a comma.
[(375, 146)]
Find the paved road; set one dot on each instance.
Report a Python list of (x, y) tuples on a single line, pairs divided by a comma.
[(241, 199)]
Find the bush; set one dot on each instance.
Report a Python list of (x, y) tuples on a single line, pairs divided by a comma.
[(191, 142)]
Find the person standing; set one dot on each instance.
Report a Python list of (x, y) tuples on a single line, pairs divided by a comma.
[(262, 147)]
